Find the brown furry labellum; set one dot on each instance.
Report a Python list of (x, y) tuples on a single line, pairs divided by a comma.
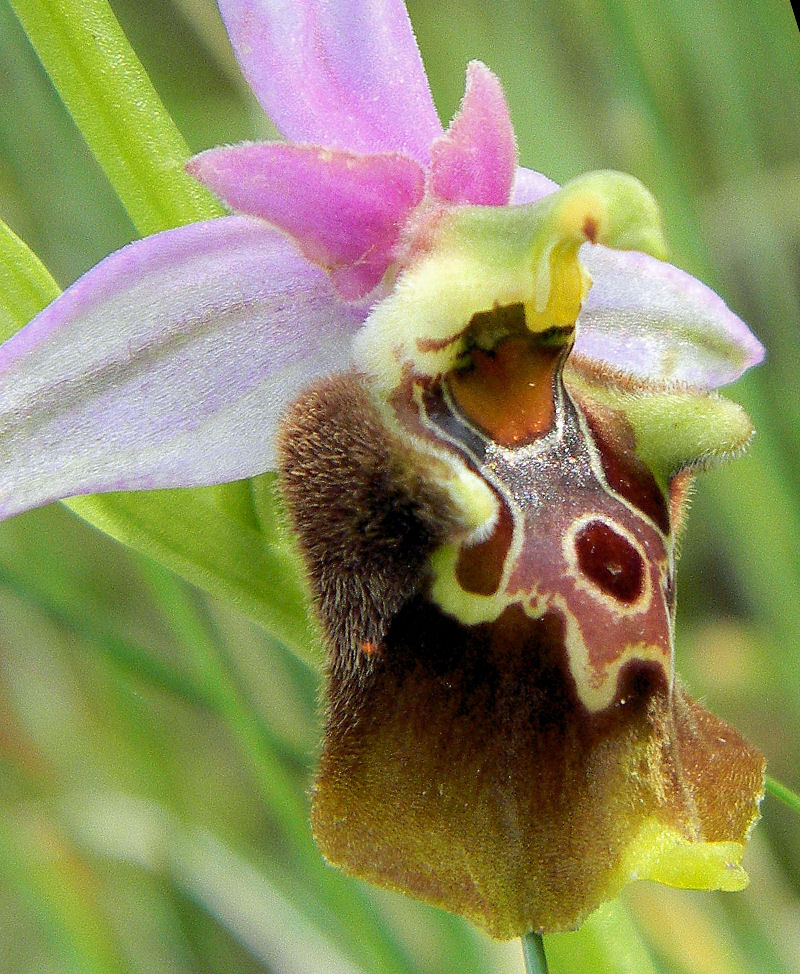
[(505, 737)]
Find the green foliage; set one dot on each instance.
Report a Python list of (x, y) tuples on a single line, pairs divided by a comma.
[(157, 743)]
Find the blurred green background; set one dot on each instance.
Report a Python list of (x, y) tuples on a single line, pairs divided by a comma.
[(156, 746)]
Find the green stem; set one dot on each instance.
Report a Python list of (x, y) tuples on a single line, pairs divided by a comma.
[(533, 952), (784, 794)]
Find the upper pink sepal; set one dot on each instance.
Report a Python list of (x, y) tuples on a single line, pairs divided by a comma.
[(476, 159), (341, 74), (344, 210)]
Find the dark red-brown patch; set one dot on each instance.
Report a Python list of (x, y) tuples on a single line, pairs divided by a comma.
[(590, 229), (610, 561), (669, 591), (508, 392), (625, 471), (480, 568), (464, 768), (448, 422), (639, 681)]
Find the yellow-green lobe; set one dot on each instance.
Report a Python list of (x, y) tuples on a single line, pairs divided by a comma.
[(471, 259)]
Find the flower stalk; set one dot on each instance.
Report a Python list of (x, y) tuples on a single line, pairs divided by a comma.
[(783, 793), (533, 953)]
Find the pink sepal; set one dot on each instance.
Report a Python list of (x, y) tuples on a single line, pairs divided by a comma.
[(341, 74), (344, 210), (168, 364), (651, 319)]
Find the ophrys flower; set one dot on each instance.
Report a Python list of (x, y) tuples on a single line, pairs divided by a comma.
[(498, 584)]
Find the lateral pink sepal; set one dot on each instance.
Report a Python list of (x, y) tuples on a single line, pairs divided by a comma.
[(345, 210)]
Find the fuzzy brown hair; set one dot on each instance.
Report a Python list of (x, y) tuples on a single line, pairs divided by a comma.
[(366, 515)]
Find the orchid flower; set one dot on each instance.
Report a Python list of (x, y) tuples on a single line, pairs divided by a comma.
[(489, 394)]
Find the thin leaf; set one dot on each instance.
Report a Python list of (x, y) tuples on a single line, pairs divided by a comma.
[(114, 104), (187, 532), (25, 283)]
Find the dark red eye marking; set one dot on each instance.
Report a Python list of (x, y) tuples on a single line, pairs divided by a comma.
[(610, 561)]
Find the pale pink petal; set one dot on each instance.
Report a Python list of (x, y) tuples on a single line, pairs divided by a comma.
[(530, 186), (344, 73), (475, 160), (653, 320), (166, 365), (342, 208)]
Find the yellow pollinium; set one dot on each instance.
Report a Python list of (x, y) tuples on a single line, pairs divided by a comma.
[(602, 207), (567, 284)]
